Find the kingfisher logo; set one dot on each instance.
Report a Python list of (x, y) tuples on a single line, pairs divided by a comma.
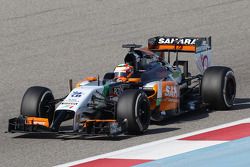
[(76, 94), (181, 41)]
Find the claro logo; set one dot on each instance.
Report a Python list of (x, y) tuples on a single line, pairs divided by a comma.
[(182, 41)]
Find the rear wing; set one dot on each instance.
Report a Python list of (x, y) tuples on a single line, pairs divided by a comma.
[(175, 44)]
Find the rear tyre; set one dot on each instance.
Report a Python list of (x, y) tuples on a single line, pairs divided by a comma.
[(35, 103), (218, 87), (134, 106)]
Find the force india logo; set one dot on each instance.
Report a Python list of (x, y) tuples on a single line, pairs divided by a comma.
[(182, 41)]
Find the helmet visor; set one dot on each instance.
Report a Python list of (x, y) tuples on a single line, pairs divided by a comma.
[(120, 74)]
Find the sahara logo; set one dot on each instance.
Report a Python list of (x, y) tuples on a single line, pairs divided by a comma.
[(171, 91), (182, 41)]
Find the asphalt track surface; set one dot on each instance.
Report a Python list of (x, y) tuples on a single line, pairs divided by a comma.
[(48, 42)]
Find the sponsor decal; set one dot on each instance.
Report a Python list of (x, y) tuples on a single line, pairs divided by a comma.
[(181, 41), (66, 103), (71, 100), (204, 60), (171, 91), (68, 106), (76, 94)]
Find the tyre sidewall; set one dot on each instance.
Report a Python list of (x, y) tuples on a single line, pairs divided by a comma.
[(228, 76)]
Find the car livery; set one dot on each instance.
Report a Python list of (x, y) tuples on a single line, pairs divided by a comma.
[(151, 85)]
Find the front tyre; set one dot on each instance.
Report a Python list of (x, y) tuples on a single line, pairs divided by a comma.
[(218, 87), (134, 106), (35, 103)]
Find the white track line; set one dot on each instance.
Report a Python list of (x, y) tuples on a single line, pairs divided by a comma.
[(154, 143), (165, 149)]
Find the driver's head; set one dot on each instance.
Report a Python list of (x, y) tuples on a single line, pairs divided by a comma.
[(123, 72)]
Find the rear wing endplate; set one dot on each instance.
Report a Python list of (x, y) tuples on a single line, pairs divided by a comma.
[(174, 44)]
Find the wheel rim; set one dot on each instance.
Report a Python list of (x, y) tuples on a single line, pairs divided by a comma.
[(45, 109), (143, 112), (230, 91)]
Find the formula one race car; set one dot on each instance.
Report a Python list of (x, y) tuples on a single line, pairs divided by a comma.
[(145, 87)]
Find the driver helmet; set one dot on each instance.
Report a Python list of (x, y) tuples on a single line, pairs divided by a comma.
[(123, 72)]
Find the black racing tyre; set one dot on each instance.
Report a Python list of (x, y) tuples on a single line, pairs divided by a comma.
[(134, 106), (35, 103), (218, 87)]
